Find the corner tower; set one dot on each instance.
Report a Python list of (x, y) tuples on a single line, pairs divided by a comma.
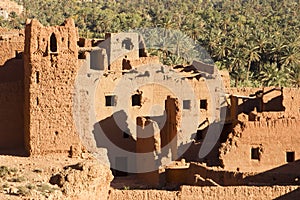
[(50, 68)]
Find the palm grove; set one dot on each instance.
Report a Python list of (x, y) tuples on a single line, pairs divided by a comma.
[(257, 41)]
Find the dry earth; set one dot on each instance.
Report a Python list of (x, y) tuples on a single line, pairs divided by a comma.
[(52, 177)]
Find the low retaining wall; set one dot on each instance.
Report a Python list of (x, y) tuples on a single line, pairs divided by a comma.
[(213, 193)]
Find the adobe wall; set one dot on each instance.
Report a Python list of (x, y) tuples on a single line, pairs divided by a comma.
[(12, 43), (153, 96), (51, 64), (272, 133), (11, 90), (225, 193), (120, 47), (11, 115), (274, 138)]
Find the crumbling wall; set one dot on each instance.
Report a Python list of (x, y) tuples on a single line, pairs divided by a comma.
[(50, 69), (119, 48), (11, 115), (148, 145), (238, 193), (192, 192), (273, 138), (170, 131), (291, 102), (11, 90), (261, 140), (12, 45)]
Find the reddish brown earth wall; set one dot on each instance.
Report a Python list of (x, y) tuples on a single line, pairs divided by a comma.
[(51, 64), (207, 193), (11, 90)]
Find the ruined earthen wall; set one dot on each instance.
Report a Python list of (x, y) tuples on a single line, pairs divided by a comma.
[(238, 193), (170, 132), (11, 89), (291, 102), (50, 69), (274, 138), (11, 115), (274, 133), (11, 43), (207, 193)]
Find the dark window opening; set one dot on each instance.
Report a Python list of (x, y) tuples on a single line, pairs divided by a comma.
[(110, 100), (199, 135), (19, 55), (186, 104), (81, 55), (126, 64), (56, 132), (136, 99), (290, 156), (127, 44), (53, 43), (37, 101), (125, 135), (255, 153), (203, 104), (37, 77)]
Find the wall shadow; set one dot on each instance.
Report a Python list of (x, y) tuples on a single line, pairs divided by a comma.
[(117, 132), (288, 174), (290, 196), (12, 108)]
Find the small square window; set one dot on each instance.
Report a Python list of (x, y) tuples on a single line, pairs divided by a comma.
[(110, 100), (136, 99), (290, 156), (186, 104), (203, 104), (255, 153)]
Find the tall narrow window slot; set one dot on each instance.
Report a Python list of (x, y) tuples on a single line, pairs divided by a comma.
[(37, 76), (53, 43)]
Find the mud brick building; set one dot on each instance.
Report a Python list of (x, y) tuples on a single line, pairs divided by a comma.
[(58, 91)]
